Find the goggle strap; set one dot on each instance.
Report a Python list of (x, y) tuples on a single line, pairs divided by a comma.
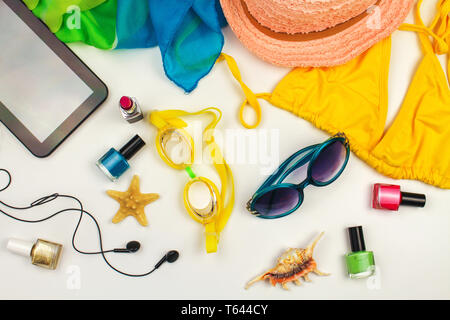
[(190, 172), (227, 194), (212, 237), (251, 99), (161, 119)]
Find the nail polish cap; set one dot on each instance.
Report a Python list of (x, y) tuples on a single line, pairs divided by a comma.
[(356, 239), (413, 199), (132, 147), (20, 247)]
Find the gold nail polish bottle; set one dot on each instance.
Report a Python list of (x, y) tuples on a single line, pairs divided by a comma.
[(43, 253)]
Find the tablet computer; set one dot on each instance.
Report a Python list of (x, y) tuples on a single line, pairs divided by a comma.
[(46, 91)]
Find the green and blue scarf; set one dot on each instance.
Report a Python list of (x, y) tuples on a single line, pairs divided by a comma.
[(188, 32)]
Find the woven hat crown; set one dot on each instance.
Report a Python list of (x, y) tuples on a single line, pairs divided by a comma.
[(305, 16)]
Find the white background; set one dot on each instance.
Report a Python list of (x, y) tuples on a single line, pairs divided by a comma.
[(411, 247)]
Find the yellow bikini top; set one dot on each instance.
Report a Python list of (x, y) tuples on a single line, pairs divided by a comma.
[(353, 98)]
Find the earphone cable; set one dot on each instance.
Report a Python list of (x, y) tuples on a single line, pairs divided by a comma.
[(53, 197)]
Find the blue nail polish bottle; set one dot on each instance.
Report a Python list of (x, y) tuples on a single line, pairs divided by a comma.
[(114, 163)]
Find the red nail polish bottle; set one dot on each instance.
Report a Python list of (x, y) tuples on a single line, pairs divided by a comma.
[(390, 197)]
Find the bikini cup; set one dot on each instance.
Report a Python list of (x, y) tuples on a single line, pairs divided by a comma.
[(353, 98)]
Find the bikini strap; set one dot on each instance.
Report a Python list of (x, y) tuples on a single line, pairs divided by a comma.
[(251, 98), (441, 23), (440, 44)]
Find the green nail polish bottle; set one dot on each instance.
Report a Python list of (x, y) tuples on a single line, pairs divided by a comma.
[(360, 263)]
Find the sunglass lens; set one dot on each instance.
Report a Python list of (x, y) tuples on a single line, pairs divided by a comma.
[(277, 202), (329, 162)]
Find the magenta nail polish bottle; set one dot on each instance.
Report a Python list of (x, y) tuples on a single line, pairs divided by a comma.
[(390, 197)]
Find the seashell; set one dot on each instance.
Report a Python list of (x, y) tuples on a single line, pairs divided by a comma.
[(292, 265)]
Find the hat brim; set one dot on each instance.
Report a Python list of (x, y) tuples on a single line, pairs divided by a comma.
[(331, 47)]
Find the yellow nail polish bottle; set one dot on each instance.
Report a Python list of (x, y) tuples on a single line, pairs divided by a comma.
[(43, 253)]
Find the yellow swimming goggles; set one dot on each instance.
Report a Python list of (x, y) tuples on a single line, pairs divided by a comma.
[(176, 147)]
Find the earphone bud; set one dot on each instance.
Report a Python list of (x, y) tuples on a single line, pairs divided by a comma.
[(131, 247), (170, 257), (134, 246)]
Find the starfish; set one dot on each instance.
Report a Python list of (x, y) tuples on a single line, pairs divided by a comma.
[(132, 202)]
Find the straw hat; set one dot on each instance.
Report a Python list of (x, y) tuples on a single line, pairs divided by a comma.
[(313, 33)]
